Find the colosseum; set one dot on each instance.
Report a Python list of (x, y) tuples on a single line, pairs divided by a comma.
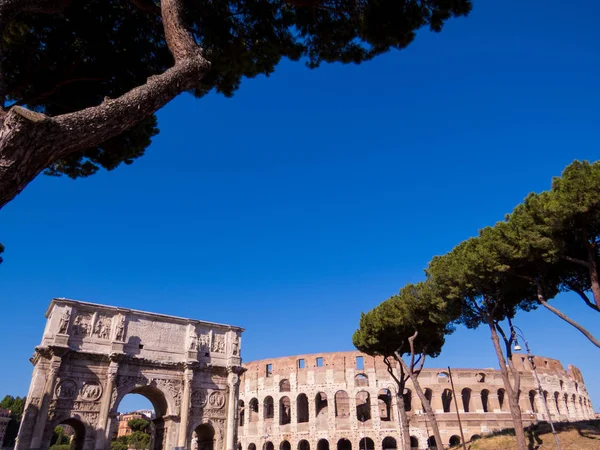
[(345, 401)]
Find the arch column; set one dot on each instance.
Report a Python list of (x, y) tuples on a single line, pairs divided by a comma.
[(233, 381), (104, 424), (42, 417), (188, 375)]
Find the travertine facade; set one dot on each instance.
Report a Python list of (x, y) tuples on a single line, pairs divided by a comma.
[(91, 356), (315, 402)]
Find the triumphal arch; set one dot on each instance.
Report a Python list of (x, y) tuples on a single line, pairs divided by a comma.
[(92, 355)]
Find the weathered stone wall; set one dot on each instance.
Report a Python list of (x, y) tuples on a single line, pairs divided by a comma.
[(315, 402), (91, 356)]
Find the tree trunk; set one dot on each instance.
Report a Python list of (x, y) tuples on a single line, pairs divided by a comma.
[(593, 268), (30, 141), (570, 321), (428, 410), (515, 410), (403, 421)]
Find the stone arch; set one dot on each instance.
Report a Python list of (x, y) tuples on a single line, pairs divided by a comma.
[(532, 400), (363, 406), (366, 443), (344, 444), (303, 445), (566, 402), (323, 444), (285, 445), (253, 410), (285, 410), (268, 445), (389, 443), (485, 397), (252, 446), (284, 386), (321, 406), (502, 399), (414, 442), (342, 404), (556, 402), (428, 395), (454, 440), (431, 442), (204, 437), (475, 437), (161, 399), (447, 400), (81, 429), (302, 408), (361, 380), (384, 404), (466, 399), (407, 396), (268, 408)]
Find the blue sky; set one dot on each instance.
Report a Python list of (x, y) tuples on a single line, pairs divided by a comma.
[(314, 195)]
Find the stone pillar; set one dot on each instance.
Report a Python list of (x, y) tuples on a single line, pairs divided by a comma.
[(233, 382), (103, 435), (188, 374), (42, 418)]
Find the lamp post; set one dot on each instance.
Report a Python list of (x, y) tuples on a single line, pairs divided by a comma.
[(517, 347)]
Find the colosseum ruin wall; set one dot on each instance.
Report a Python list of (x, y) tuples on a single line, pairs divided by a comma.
[(346, 401)]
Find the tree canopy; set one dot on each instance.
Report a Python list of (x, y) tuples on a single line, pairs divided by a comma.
[(16, 406), (89, 76), (138, 424)]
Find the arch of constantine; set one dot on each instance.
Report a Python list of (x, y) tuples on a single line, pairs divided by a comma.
[(92, 355), (346, 401)]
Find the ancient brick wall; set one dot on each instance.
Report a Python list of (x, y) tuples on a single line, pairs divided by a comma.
[(347, 400)]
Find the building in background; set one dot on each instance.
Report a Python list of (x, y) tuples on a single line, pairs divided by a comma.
[(124, 418)]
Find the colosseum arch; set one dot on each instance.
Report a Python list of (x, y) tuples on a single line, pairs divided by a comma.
[(268, 408), (92, 355)]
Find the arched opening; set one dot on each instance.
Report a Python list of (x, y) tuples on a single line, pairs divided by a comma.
[(69, 432), (428, 395), (268, 408), (414, 443), (366, 444), (204, 437), (361, 380), (284, 386), (475, 437), (556, 402), (285, 445), (253, 416), (303, 445), (363, 406), (501, 398), (443, 377), (323, 444), (139, 420), (268, 446), (344, 444), (321, 404), (241, 413), (566, 400), (389, 443), (284, 411), (342, 404), (431, 443), (532, 396), (407, 399), (466, 399), (302, 408), (447, 400), (454, 440), (485, 394), (252, 446), (384, 403)]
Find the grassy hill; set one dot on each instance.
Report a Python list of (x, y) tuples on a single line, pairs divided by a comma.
[(583, 435)]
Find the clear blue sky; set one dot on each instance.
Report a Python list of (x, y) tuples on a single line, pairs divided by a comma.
[(314, 195)]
